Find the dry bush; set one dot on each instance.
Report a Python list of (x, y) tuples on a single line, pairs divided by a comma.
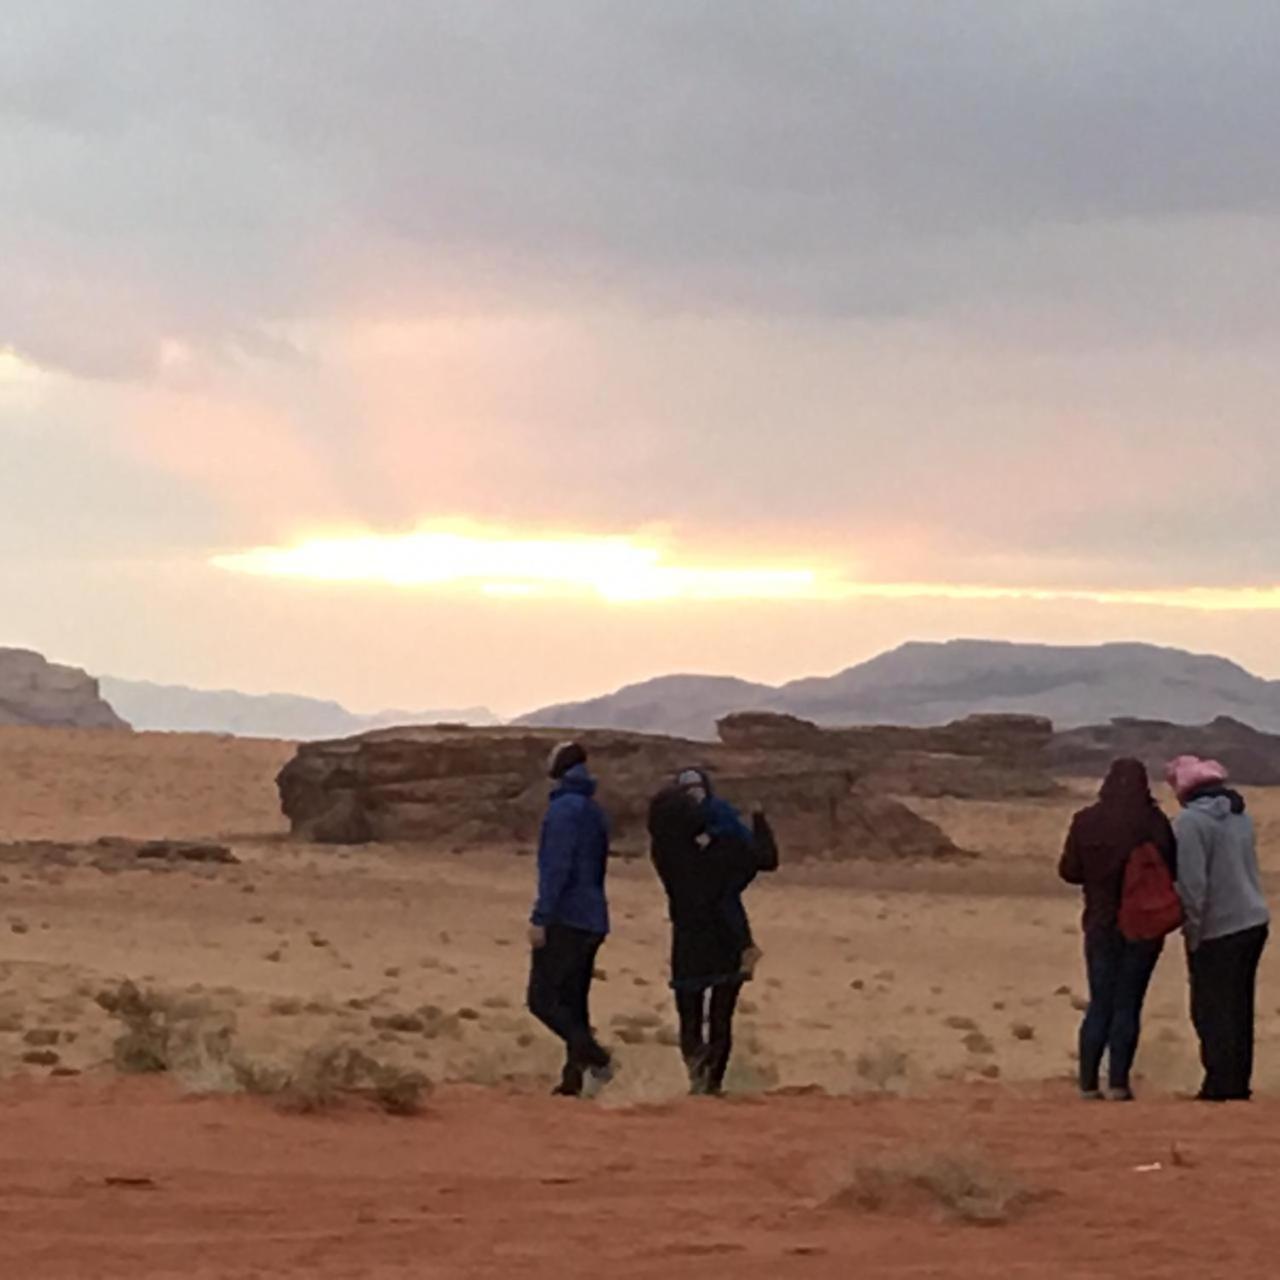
[(191, 1039), (750, 1071), (163, 1032), (327, 1075), (967, 1185), (882, 1065)]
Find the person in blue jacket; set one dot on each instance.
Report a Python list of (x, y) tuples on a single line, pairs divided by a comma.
[(570, 919)]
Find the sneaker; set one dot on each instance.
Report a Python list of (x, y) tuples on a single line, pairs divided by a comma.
[(1091, 1095), (1120, 1095), (597, 1078)]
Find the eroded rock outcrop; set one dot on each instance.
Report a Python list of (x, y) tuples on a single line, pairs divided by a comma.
[(998, 757), (36, 692), (1253, 757), (465, 788)]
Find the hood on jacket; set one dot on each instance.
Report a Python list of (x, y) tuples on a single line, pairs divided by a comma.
[(1218, 802), (576, 782)]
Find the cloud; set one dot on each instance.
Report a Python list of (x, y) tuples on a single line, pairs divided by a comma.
[(199, 171), (976, 293)]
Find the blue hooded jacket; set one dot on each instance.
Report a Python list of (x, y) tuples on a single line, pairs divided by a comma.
[(573, 851)]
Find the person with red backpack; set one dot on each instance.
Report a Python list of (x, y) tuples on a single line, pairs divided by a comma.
[(1122, 852)]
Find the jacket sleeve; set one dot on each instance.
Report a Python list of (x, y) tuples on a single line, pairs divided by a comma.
[(1193, 875), (766, 846), (557, 845), (1071, 864)]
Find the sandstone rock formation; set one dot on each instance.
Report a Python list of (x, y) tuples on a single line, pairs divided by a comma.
[(465, 788), (1252, 757), (979, 758), (36, 692)]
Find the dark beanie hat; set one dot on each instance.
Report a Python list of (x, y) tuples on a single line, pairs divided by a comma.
[(565, 756)]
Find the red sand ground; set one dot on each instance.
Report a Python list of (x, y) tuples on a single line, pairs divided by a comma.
[(488, 1184)]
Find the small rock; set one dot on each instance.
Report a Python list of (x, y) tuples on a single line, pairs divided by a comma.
[(41, 1058), (399, 1022), (1023, 1031), (42, 1037), (467, 1014), (977, 1043), (959, 1023)]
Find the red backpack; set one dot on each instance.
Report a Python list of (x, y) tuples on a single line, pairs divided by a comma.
[(1149, 904)]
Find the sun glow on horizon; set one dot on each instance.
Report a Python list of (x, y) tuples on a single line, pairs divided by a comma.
[(625, 569), (615, 569)]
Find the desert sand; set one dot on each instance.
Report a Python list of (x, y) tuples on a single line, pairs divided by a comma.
[(927, 1008)]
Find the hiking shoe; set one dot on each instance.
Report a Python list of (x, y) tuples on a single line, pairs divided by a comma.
[(1120, 1095), (1092, 1095), (597, 1078)]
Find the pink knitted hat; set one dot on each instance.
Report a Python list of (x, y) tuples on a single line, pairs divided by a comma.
[(1188, 773)]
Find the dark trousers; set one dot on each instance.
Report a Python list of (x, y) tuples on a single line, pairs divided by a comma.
[(706, 1033), (559, 997), (1119, 975), (1224, 978)]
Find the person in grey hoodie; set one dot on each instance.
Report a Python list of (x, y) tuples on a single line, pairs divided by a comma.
[(1227, 922)]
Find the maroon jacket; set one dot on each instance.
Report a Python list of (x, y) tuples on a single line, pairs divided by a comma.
[(1104, 835)]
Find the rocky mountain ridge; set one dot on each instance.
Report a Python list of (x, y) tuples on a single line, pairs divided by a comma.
[(37, 692)]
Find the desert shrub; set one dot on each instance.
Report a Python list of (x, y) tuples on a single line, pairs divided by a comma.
[(166, 1033), (191, 1039), (966, 1185), (327, 1075), (882, 1065)]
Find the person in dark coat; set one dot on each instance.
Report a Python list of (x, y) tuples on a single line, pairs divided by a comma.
[(570, 918), (1097, 851), (706, 857)]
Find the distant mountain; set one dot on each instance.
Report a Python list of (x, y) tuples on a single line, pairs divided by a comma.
[(34, 691), (175, 708), (928, 684), (682, 706)]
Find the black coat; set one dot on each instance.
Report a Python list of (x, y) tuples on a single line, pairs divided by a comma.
[(702, 877)]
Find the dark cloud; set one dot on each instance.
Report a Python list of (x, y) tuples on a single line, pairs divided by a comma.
[(203, 170)]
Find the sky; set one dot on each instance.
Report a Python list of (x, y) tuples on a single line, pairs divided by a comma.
[(427, 355)]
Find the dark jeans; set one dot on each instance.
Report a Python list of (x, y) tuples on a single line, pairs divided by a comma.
[(706, 1033), (1119, 975), (1224, 978), (559, 997)]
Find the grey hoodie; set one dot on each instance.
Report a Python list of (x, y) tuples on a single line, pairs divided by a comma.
[(1218, 877)]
